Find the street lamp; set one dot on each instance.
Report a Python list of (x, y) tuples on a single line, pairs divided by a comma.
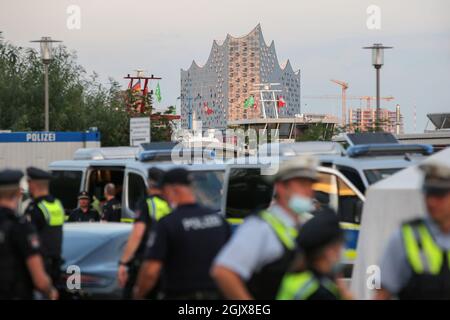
[(377, 62), (46, 56), (189, 99)]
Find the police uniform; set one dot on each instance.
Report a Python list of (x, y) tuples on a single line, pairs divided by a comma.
[(47, 215), (80, 215), (18, 241), (186, 242), (149, 212), (112, 210), (310, 284), (416, 261), (263, 247)]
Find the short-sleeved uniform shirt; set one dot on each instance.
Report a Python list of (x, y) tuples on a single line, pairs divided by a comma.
[(254, 245), (23, 242), (51, 239), (112, 210), (395, 268), (186, 242), (78, 215)]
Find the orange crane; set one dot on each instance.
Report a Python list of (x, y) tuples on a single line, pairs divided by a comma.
[(344, 86)]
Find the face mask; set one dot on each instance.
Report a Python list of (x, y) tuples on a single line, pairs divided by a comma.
[(300, 205)]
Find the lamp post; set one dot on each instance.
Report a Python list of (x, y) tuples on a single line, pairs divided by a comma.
[(46, 56), (377, 62), (189, 99)]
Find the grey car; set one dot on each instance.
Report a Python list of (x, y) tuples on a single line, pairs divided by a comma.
[(93, 249)]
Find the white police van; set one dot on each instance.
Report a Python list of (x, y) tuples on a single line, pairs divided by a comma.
[(92, 169)]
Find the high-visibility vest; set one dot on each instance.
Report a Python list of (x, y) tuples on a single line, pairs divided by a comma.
[(423, 253), (158, 208), (285, 234), (301, 286), (53, 212)]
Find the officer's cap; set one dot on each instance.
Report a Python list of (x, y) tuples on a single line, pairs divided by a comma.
[(10, 179), (34, 173), (322, 230), (176, 176), (155, 176), (83, 195), (304, 166), (436, 178)]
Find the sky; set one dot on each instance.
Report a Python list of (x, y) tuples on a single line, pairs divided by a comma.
[(322, 38)]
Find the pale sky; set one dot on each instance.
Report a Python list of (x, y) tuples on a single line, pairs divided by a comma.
[(322, 38)]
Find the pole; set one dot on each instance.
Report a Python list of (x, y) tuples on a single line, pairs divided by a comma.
[(190, 114), (377, 123), (46, 111)]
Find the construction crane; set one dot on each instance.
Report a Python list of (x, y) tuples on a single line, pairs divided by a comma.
[(368, 99), (344, 86)]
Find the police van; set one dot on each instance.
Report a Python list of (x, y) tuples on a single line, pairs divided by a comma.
[(246, 191), (91, 170)]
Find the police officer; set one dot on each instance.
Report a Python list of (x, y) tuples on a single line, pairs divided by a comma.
[(46, 213), (254, 261), (149, 211), (315, 270), (183, 244), (112, 209), (84, 212), (21, 265), (416, 261)]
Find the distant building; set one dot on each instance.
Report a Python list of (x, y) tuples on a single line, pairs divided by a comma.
[(363, 119), (216, 92), (441, 121)]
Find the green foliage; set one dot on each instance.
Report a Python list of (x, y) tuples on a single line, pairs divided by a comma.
[(317, 132), (162, 128), (77, 100)]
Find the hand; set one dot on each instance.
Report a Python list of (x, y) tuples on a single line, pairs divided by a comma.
[(122, 275), (343, 289), (53, 294)]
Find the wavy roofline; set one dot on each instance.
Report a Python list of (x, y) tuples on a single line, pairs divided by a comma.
[(229, 37)]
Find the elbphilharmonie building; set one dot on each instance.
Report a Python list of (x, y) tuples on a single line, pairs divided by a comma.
[(239, 68)]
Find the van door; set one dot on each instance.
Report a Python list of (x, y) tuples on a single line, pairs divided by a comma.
[(96, 179), (246, 191), (66, 184), (135, 190)]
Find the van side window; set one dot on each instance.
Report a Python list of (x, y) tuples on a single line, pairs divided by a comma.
[(248, 192), (332, 192), (65, 186), (349, 204), (353, 176), (325, 191), (136, 190)]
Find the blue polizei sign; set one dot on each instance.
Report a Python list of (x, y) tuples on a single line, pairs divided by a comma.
[(52, 136)]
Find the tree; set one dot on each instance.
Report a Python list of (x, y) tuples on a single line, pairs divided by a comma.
[(317, 132), (162, 128), (78, 101)]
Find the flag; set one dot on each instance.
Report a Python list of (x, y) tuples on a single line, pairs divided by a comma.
[(249, 102), (136, 86), (207, 109), (158, 93), (281, 102)]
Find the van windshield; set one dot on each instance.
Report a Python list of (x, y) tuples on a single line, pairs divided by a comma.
[(208, 186)]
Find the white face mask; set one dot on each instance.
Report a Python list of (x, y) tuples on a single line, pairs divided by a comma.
[(300, 204)]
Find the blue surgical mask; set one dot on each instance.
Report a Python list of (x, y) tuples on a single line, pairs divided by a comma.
[(300, 205)]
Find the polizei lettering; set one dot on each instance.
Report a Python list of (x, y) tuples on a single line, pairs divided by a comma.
[(41, 137)]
